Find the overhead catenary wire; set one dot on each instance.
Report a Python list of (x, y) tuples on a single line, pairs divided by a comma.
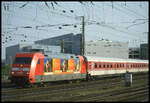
[(134, 12), (105, 25)]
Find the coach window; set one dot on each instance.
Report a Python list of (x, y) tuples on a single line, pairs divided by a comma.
[(95, 65), (117, 65), (120, 65), (125, 65), (132, 65), (107, 65), (99, 64), (90, 65), (103, 65), (139, 65), (111, 65)]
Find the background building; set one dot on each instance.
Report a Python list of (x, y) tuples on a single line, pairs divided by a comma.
[(134, 53), (72, 43), (105, 48), (144, 51)]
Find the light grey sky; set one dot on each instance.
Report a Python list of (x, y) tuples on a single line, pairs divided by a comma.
[(115, 21)]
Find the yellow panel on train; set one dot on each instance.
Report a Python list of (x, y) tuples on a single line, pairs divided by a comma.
[(71, 65), (56, 65)]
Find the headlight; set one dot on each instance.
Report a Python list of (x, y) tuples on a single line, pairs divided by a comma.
[(15, 69), (25, 69), (12, 72)]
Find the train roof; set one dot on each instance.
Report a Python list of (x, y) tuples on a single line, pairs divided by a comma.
[(61, 55), (106, 59)]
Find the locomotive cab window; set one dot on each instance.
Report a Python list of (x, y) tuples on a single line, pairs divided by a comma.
[(22, 60)]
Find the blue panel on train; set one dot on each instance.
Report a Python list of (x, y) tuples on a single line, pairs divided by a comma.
[(45, 60)]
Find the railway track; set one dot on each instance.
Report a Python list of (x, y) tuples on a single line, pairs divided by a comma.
[(120, 95), (102, 95), (54, 90), (64, 92)]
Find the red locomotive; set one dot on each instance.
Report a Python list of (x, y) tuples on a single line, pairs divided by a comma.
[(31, 68)]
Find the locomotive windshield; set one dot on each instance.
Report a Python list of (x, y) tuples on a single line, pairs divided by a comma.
[(23, 60)]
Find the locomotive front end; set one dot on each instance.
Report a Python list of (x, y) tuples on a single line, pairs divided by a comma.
[(21, 68)]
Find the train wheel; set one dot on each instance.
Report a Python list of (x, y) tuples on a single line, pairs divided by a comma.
[(42, 84), (88, 77)]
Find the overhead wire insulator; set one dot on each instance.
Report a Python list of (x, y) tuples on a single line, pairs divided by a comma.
[(64, 11), (75, 26), (71, 11)]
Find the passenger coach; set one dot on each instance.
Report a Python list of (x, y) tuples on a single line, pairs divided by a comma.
[(106, 66)]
